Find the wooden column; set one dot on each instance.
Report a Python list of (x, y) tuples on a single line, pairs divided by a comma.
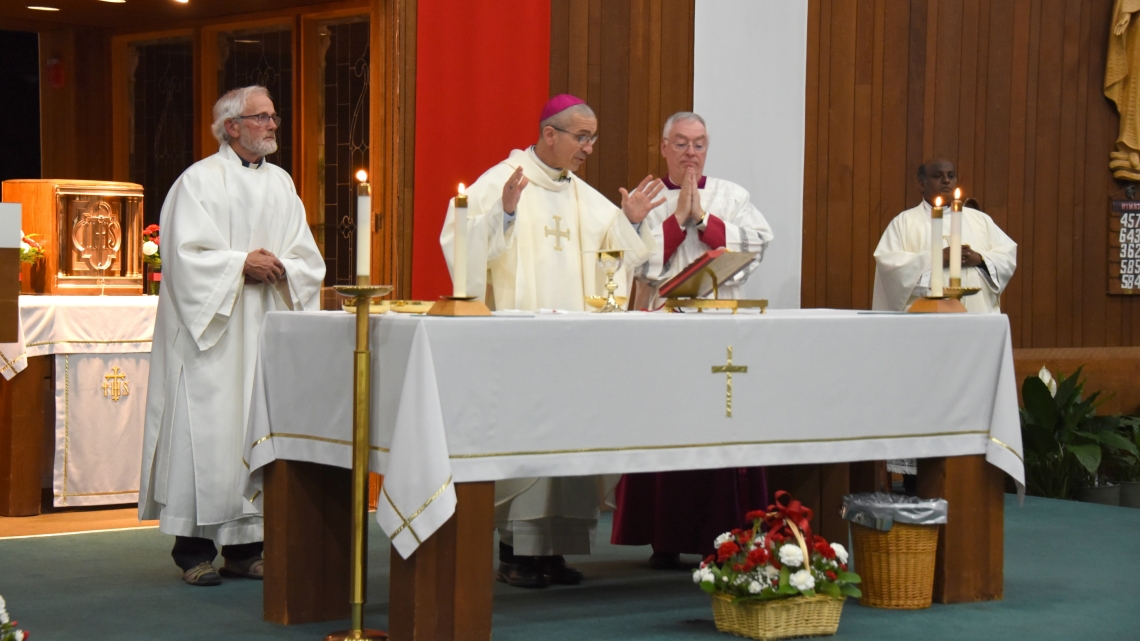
[(308, 523), (443, 592), (22, 402), (970, 553)]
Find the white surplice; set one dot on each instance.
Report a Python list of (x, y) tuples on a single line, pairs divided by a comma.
[(733, 222), (536, 262), (902, 260), (206, 336)]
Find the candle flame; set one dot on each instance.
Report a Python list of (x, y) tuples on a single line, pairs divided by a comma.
[(362, 176), (462, 189), (938, 201), (958, 194)]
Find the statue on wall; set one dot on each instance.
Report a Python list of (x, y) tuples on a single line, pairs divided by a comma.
[(1122, 86)]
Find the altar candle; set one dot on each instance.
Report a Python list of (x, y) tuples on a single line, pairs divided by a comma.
[(936, 248), (956, 240), (363, 228), (459, 286)]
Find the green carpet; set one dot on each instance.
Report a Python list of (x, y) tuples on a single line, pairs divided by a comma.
[(1071, 573)]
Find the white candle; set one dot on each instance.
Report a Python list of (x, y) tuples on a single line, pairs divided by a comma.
[(936, 248), (363, 228), (459, 280), (956, 240)]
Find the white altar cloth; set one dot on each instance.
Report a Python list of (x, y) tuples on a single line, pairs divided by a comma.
[(101, 346), (478, 399)]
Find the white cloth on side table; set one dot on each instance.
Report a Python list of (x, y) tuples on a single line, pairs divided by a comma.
[(97, 438), (481, 399)]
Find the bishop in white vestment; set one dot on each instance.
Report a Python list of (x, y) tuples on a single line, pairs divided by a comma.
[(902, 259), (235, 245), (699, 213), (530, 218)]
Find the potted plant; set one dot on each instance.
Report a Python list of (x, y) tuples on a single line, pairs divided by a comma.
[(8, 631), (778, 583), (152, 258), (1070, 452), (1130, 478)]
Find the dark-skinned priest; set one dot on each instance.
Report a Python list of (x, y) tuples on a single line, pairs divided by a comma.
[(235, 246), (683, 512), (530, 218)]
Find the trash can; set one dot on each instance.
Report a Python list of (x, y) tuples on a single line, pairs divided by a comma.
[(895, 540)]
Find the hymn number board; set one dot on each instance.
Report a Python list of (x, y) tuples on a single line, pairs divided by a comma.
[(1124, 248)]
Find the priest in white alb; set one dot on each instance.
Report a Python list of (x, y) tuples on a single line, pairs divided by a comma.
[(236, 245), (531, 223), (902, 259), (699, 213)]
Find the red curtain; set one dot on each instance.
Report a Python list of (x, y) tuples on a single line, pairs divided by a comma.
[(482, 76)]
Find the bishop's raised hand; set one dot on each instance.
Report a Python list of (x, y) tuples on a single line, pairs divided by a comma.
[(512, 190), (637, 204)]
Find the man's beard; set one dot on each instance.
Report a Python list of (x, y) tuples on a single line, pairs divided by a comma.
[(260, 146)]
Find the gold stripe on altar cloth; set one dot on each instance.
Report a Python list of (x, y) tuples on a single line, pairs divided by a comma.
[(65, 495), (92, 342), (309, 437), (10, 365), (1011, 450), (629, 448), (66, 421), (407, 522)]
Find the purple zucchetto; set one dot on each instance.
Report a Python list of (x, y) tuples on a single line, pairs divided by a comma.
[(558, 104)]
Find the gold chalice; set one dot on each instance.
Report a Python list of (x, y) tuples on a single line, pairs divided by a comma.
[(609, 260)]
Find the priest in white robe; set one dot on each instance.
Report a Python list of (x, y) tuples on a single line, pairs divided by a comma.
[(699, 213), (902, 259), (530, 218), (236, 245)]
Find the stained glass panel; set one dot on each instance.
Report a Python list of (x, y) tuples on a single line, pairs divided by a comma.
[(262, 57)]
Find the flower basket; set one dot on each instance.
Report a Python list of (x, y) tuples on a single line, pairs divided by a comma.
[(780, 619), (897, 566)]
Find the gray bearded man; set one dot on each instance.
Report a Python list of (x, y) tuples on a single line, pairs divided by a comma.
[(530, 220), (236, 245)]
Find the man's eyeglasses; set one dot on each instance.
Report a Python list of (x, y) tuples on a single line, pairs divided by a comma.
[(583, 139), (261, 119), (699, 147)]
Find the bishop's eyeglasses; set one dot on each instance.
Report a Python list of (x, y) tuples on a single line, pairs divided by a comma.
[(261, 119), (700, 146), (583, 139)]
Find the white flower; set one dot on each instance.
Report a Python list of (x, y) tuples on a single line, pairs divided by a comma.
[(722, 539), (149, 248), (757, 542), (791, 555), (754, 587), (771, 572), (3, 616), (703, 575), (1048, 379), (840, 552), (24, 246), (18, 636), (802, 580)]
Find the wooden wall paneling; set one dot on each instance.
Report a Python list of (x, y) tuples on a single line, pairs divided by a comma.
[(57, 106), (822, 185), (858, 266), (120, 110), (930, 43), (841, 155), (559, 47), (811, 157), (637, 99), (1045, 174), (916, 91), (75, 141), (307, 114), (1080, 179), (1067, 180), (895, 175)]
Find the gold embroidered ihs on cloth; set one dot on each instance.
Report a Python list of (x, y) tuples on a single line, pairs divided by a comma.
[(557, 232), (728, 369), (115, 384)]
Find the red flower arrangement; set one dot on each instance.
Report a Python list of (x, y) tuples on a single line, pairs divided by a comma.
[(151, 242)]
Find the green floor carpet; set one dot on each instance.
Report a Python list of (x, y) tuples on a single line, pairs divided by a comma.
[(1072, 572)]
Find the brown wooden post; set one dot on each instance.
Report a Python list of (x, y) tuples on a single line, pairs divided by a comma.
[(22, 401), (970, 552), (307, 536), (444, 590)]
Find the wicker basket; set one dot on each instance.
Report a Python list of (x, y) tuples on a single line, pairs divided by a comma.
[(779, 619), (897, 567)]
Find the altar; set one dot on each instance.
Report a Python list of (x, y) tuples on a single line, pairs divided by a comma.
[(75, 391), (461, 402)]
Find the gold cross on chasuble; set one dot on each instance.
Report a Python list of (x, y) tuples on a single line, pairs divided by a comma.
[(557, 232), (728, 369)]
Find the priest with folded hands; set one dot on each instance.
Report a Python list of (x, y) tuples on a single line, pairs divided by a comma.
[(683, 512), (530, 218)]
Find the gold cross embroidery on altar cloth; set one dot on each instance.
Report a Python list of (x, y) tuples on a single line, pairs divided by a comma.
[(728, 369), (115, 385)]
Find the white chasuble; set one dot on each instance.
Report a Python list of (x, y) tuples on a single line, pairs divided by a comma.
[(733, 223), (206, 336), (902, 260), (536, 261)]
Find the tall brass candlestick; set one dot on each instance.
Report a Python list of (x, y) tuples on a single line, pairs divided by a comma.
[(361, 403)]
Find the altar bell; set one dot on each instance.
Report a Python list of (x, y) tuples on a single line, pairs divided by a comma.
[(683, 512), (236, 245), (530, 218)]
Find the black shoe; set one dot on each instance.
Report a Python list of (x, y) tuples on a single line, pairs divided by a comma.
[(665, 561), (558, 573), (523, 572)]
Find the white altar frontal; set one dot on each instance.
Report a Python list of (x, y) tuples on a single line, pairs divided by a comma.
[(101, 348), (512, 396)]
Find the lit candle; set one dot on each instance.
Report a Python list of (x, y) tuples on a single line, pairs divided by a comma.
[(956, 240), (936, 248), (459, 279), (363, 228)]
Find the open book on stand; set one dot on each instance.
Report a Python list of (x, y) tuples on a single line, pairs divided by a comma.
[(705, 276)]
